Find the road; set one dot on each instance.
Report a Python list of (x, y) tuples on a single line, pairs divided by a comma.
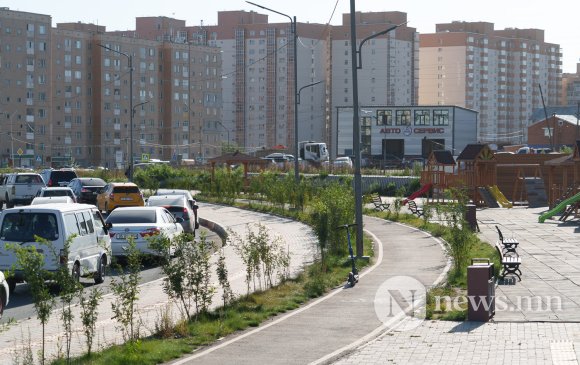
[(22, 307)]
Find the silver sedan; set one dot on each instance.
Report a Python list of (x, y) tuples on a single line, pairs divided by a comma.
[(143, 224)]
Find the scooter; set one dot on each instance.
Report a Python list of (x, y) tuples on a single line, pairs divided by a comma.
[(353, 275)]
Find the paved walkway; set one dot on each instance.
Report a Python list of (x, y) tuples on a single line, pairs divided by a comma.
[(330, 325)]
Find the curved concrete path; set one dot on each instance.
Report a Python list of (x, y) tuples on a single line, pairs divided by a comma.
[(322, 330)]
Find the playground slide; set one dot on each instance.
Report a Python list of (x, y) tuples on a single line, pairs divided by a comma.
[(498, 195), (558, 208), (424, 189)]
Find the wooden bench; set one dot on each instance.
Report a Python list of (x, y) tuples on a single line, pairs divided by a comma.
[(510, 262), (415, 209), (378, 202), (509, 244)]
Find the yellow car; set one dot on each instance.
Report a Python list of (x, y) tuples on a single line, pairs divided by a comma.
[(116, 194)]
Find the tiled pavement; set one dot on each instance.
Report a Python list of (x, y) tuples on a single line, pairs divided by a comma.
[(550, 254)]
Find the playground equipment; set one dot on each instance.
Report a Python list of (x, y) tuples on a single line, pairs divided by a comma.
[(499, 197), (558, 208), (424, 189)]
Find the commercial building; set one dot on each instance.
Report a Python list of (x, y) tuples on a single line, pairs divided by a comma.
[(407, 131), (495, 72)]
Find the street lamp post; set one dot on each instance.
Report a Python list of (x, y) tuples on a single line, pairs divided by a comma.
[(131, 144), (130, 60), (296, 96), (356, 123)]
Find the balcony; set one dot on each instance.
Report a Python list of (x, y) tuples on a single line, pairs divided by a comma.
[(117, 127), (30, 118), (67, 140), (184, 128), (30, 68), (67, 125), (29, 135), (116, 141), (29, 101)]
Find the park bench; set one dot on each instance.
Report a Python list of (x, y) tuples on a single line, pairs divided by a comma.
[(510, 262), (509, 244), (378, 202), (415, 209)]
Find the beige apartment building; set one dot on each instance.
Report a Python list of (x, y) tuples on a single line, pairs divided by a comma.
[(67, 94), (495, 72), (571, 88)]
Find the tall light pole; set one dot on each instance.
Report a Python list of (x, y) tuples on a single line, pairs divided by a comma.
[(356, 124), (130, 60), (296, 96), (296, 152)]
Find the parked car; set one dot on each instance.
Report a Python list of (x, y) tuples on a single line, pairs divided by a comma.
[(58, 177), (116, 194), (342, 162), (142, 224), (57, 191), (88, 249), (279, 159), (51, 200), (178, 206), (86, 189), (19, 188), (391, 161), (4, 293), (187, 194)]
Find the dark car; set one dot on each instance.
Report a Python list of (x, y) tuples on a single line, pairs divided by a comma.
[(58, 177), (390, 161), (86, 189)]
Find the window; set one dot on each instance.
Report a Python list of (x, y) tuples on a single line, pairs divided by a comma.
[(82, 223), (440, 117), (403, 117), (71, 225), (384, 117), (422, 117)]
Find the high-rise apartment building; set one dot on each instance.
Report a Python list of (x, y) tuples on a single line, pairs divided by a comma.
[(388, 74), (26, 95), (571, 88), (67, 94), (258, 78), (194, 88), (495, 72)]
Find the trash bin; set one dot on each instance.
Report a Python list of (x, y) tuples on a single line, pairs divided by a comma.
[(470, 217), (480, 290)]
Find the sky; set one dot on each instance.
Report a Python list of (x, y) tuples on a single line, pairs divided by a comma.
[(558, 18)]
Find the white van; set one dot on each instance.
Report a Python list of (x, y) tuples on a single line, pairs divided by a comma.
[(89, 250)]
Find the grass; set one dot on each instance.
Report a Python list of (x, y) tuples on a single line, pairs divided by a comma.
[(246, 312), (455, 289)]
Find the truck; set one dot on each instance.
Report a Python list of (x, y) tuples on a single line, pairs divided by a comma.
[(312, 152), (19, 188)]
